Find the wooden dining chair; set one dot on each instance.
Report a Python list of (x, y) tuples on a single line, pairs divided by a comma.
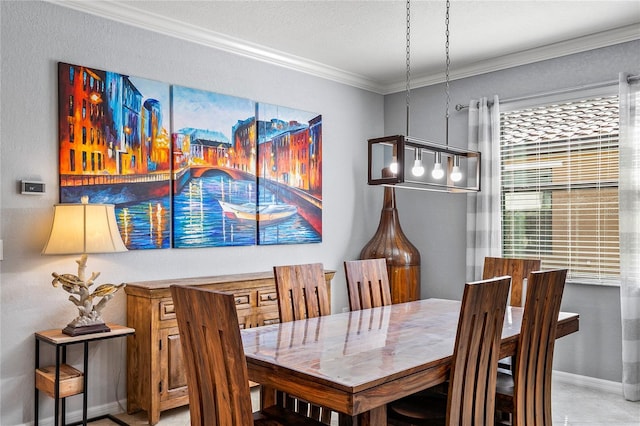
[(302, 293), (526, 394), (367, 283), (517, 269), (215, 363), (470, 399)]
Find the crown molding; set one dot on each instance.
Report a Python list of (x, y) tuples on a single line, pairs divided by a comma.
[(126, 14), (556, 50), (167, 26)]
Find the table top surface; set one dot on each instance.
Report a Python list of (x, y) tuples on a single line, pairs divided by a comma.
[(355, 351), (57, 337)]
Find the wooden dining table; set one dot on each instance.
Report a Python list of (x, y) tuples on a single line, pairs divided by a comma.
[(357, 362)]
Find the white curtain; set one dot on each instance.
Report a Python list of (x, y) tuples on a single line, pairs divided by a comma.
[(629, 197), (483, 208)]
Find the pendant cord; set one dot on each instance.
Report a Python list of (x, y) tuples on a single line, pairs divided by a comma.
[(446, 73), (408, 53)]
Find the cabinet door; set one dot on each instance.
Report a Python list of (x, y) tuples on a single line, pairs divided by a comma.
[(173, 382)]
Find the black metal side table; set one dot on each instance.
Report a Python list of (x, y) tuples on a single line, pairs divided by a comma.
[(61, 341)]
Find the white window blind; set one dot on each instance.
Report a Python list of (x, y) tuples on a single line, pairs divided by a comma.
[(559, 186)]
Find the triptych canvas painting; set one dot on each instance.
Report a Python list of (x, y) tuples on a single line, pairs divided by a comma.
[(187, 167)]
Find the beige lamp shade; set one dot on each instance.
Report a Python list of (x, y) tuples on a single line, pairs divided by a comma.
[(84, 228)]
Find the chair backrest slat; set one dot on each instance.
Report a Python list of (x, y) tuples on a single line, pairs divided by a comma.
[(517, 269), (367, 283), (471, 397), (214, 357), (534, 357)]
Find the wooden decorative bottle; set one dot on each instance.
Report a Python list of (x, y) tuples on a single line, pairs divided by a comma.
[(403, 258)]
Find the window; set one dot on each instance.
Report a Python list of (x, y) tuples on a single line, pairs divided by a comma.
[(559, 186), (72, 160)]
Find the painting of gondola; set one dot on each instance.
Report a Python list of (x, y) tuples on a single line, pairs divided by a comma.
[(214, 166), (289, 204), (114, 147), (186, 167)]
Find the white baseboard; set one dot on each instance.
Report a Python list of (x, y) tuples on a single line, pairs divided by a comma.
[(76, 415), (588, 382)]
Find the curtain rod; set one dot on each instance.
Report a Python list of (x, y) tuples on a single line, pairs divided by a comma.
[(630, 79)]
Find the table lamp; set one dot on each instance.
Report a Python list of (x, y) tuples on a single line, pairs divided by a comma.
[(82, 229)]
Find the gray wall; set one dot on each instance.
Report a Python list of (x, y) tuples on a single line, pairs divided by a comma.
[(437, 222), (34, 37)]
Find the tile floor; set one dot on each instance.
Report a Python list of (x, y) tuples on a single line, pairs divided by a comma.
[(572, 406)]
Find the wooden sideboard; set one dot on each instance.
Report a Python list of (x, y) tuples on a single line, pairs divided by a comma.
[(156, 380)]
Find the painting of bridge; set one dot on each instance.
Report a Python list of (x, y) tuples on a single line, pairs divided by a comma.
[(259, 167), (187, 167)]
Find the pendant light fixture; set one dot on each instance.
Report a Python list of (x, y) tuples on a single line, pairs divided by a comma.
[(389, 153)]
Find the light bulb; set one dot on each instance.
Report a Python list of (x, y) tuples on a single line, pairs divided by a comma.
[(437, 172), (418, 168), (456, 174), (393, 167)]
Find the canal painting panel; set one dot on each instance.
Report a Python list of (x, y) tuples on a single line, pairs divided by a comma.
[(243, 173), (114, 147), (289, 175), (214, 166)]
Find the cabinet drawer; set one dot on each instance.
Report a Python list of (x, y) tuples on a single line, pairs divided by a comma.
[(242, 299), (248, 318), (269, 321), (71, 380), (267, 297), (167, 310), (270, 314)]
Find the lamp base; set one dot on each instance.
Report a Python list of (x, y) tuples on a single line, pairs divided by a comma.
[(71, 330)]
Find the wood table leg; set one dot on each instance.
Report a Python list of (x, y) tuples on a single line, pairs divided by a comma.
[(374, 417), (267, 396)]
